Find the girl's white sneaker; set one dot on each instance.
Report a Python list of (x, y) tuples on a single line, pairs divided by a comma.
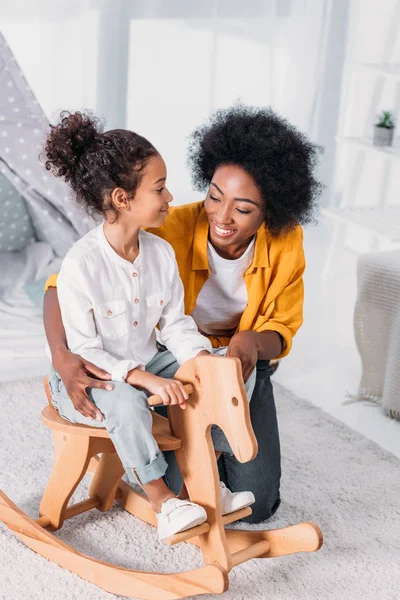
[(233, 501), (178, 515)]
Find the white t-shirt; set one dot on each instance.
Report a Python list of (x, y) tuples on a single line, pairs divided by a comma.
[(223, 297), (110, 306)]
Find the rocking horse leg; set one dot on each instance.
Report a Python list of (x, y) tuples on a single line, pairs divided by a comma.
[(67, 473), (92, 466), (135, 503), (202, 483), (304, 537), (106, 479), (59, 441)]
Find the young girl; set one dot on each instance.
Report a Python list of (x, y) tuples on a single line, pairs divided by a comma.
[(115, 285)]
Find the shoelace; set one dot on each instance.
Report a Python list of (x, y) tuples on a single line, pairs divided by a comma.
[(171, 505)]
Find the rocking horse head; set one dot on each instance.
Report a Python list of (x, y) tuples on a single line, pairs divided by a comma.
[(220, 398)]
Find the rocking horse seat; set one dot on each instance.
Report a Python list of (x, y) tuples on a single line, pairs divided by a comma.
[(161, 431)]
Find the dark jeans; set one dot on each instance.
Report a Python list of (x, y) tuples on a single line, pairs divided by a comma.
[(261, 475)]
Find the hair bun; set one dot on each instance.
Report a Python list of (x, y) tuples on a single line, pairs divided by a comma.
[(68, 141)]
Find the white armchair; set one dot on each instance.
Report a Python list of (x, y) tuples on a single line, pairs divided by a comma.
[(377, 328)]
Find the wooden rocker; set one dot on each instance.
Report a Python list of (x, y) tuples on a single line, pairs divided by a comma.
[(218, 397)]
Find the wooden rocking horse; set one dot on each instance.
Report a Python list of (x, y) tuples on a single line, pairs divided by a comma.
[(218, 397)]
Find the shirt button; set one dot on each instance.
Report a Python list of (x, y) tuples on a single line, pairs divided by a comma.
[(136, 300), (134, 274), (135, 323), (109, 312), (161, 302)]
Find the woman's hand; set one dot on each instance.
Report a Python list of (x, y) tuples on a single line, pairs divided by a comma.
[(75, 373), (244, 345), (171, 391)]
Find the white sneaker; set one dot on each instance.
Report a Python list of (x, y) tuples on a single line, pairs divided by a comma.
[(233, 501), (178, 515)]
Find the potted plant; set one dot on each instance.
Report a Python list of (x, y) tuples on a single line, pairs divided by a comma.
[(383, 129)]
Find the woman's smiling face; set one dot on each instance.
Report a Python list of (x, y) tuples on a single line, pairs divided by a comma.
[(235, 210)]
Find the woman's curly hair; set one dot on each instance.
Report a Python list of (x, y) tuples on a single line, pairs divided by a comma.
[(94, 163), (280, 159)]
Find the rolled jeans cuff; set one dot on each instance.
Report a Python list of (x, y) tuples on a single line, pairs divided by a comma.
[(150, 472)]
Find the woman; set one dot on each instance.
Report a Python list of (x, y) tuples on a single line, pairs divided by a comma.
[(241, 261)]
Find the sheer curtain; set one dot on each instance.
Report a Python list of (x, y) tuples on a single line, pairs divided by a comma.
[(186, 61), (162, 68)]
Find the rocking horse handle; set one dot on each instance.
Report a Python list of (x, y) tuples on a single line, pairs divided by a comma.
[(156, 399)]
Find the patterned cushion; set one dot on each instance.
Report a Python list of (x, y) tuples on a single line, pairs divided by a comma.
[(16, 229)]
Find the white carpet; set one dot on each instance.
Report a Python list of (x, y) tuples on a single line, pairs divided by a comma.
[(331, 475)]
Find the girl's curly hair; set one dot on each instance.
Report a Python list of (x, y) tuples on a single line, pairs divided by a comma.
[(94, 163), (280, 159)]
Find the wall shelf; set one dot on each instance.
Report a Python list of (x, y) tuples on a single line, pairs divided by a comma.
[(384, 222)]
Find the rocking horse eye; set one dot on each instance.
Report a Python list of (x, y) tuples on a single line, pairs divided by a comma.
[(235, 401)]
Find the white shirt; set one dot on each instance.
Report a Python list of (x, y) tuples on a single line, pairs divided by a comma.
[(223, 297), (110, 306)]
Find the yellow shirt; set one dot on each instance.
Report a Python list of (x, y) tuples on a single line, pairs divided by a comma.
[(274, 280)]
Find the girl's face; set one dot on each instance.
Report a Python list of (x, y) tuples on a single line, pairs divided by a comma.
[(149, 207), (150, 204), (234, 209)]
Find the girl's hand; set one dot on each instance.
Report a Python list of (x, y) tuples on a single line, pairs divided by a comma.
[(203, 353), (244, 345), (171, 391), (75, 373)]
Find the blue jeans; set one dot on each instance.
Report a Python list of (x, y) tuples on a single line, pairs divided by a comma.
[(128, 420)]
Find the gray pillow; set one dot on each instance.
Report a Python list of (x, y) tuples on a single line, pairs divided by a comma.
[(16, 229)]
